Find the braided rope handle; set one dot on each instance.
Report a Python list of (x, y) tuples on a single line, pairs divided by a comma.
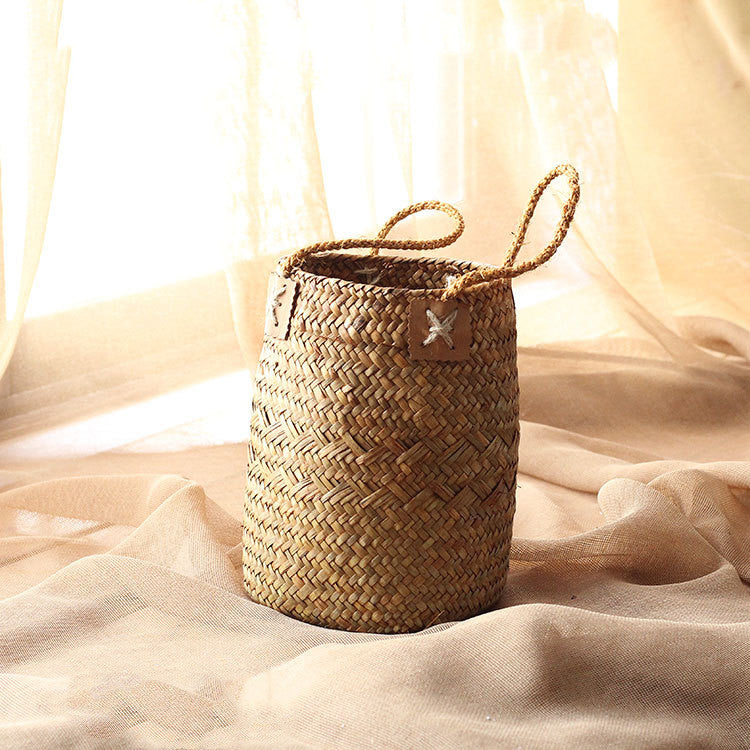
[(380, 241), (509, 270), (471, 278)]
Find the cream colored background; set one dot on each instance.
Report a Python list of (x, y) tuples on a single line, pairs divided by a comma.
[(159, 143)]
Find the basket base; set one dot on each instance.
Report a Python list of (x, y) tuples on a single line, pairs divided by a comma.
[(330, 609)]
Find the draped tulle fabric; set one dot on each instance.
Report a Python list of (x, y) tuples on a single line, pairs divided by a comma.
[(626, 617)]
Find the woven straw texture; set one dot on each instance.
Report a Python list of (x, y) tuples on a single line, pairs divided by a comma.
[(380, 487)]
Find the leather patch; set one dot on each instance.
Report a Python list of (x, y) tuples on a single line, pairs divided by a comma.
[(439, 330), (282, 294)]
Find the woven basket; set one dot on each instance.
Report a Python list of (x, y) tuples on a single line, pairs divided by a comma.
[(384, 432)]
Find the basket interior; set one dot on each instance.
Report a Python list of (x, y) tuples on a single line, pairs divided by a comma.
[(387, 271)]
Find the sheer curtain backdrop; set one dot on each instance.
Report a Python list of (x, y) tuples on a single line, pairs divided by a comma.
[(156, 158)]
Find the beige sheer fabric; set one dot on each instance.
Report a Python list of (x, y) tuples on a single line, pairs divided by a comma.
[(626, 618), (45, 68)]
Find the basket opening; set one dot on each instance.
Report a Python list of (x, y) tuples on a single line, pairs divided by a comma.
[(386, 271)]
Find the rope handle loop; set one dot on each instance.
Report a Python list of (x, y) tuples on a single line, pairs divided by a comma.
[(380, 242), (509, 269)]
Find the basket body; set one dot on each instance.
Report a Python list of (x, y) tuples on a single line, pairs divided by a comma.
[(381, 485)]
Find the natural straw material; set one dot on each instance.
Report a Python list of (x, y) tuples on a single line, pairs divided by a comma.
[(384, 432)]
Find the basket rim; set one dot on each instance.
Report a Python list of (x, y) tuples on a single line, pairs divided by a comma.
[(302, 274)]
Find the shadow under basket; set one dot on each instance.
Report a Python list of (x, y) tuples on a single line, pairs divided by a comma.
[(384, 433)]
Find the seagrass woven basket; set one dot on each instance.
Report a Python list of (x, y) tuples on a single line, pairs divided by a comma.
[(384, 432)]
